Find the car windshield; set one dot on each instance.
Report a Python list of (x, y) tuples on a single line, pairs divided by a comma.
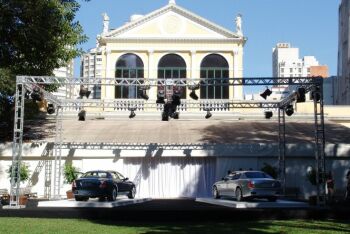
[(98, 174), (256, 174)]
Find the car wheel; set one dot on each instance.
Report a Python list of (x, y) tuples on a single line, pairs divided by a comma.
[(216, 194), (272, 199), (132, 193), (239, 196), (113, 195)]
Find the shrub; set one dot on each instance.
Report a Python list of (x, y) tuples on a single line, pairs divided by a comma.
[(23, 173), (70, 173)]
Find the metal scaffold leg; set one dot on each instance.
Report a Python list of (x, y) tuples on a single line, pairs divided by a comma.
[(282, 147), (58, 155), (17, 145), (320, 159)]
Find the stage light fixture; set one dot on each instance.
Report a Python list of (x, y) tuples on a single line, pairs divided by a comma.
[(132, 112), (301, 95), (316, 94), (176, 99), (50, 109), (36, 95), (193, 95), (27, 94), (160, 97), (193, 89), (84, 92), (266, 93), (268, 114), (82, 115), (144, 95), (208, 115), (290, 110)]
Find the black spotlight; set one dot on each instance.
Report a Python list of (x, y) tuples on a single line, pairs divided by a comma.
[(301, 95), (268, 114), (289, 110), (193, 95), (36, 95), (160, 97), (27, 94), (176, 99), (208, 115), (132, 113), (144, 95), (50, 109), (82, 115), (168, 107), (84, 92), (266, 93), (315, 94)]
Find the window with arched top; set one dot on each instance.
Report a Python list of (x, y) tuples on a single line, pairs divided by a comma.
[(173, 66), (128, 66), (215, 68)]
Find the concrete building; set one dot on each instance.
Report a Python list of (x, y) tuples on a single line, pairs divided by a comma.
[(65, 71), (342, 93), (287, 63), (91, 66)]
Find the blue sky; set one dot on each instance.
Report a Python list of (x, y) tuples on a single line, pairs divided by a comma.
[(311, 25)]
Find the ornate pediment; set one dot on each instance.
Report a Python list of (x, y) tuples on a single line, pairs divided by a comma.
[(171, 22)]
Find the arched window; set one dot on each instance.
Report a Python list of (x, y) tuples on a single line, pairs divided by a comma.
[(216, 68), (172, 66), (128, 66)]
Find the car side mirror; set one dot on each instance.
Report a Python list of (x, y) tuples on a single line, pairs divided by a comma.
[(222, 178), (125, 179)]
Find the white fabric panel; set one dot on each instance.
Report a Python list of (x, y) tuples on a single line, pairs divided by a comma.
[(163, 177)]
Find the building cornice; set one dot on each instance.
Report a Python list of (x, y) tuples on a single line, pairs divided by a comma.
[(178, 40), (172, 7)]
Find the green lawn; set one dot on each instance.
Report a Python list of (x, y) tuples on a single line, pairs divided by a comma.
[(32, 225)]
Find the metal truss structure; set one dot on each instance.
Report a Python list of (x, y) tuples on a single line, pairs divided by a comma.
[(28, 83)]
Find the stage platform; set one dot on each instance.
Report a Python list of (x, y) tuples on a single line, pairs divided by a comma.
[(255, 204), (92, 203)]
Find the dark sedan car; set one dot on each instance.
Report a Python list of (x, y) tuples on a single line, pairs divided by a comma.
[(248, 185), (102, 184)]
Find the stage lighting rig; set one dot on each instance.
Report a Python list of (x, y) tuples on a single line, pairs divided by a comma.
[(160, 97), (36, 95), (193, 89), (132, 112), (82, 115), (50, 109), (268, 114), (290, 110), (84, 92), (301, 95), (209, 114), (143, 91), (266, 93)]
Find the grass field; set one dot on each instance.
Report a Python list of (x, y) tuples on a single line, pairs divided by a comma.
[(32, 225)]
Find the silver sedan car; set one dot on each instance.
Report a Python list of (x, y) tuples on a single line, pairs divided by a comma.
[(248, 185)]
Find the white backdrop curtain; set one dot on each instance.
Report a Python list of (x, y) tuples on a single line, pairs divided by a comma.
[(163, 177)]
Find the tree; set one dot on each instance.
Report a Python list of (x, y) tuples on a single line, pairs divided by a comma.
[(37, 36)]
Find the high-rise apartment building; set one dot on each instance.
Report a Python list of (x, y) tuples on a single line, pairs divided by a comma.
[(91, 66), (342, 92), (286, 63), (65, 71)]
